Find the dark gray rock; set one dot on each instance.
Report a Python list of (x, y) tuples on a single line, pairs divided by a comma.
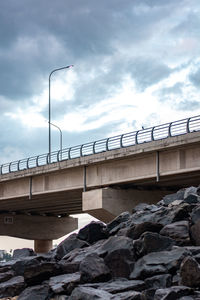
[(120, 285), (93, 232), (190, 191), (94, 269), (191, 199), (118, 255), (159, 281), (119, 222), (6, 276), (164, 215), (158, 263), (152, 242), (131, 295), (172, 197), (38, 292), (24, 252), (195, 215), (88, 293), (195, 233), (179, 231), (69, 244), (134, 232), (148, 294), (172, 293), (190, 272), (66, 267), (12, 287), (40, 272), (64, 283)]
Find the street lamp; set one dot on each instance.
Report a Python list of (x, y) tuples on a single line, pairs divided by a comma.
[(50, 106), (60, 138)]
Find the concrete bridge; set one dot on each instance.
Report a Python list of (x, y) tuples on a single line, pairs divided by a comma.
[(36, 201)]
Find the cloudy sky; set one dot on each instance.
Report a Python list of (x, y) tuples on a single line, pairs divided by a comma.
[(136, 63)]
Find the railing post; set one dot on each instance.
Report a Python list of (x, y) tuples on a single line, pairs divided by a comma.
[(188, 125), (169, 130), (136, 137), (94, 152), (18, 163), (81, 151), (10, 167), (69, 155), (152, 130), (121, 141), (27, 165), (107, 144)]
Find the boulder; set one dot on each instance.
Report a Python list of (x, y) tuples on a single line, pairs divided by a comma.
[(94, 269), (37, 292), (158, 281), (40, 272), (134, 232), (12, 287), (195, 233), (93, 232), (69, 244), (121, 219), (24, 252), (88, 293), (174, 293), (179, 231), (152, 242), (6, 276), (131, 295), (64, 283), (118, 255), (120, 285), (158, 263), (190, 272)]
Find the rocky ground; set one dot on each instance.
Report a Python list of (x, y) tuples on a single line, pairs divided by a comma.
[(153, 253)]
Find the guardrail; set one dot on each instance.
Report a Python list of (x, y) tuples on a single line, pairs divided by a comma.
[(120, 141)]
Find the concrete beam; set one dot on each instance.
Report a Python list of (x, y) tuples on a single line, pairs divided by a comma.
[(106, 203), (36, 227)]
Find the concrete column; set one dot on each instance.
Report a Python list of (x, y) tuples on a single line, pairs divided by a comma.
[(106, 203), (42, 246)]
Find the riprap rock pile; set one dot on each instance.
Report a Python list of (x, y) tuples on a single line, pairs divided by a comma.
[(153, 253)]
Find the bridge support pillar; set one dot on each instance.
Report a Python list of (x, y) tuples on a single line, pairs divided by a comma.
[(42, 246), (106, 203)]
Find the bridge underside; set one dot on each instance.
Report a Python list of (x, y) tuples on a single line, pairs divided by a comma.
[(104, 186)]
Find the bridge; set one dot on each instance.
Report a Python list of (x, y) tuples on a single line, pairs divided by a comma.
[(102, 178)]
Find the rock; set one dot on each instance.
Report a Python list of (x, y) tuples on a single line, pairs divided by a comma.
[(64, 283), (88, 293), (190, 191), (40, 272), (93, 269), (68, 267), (195, 215), (152, 242), (93, 232), (195, 233), (159, 281), (119, 222), (179, 231), (158, 263), (174, 293), (120, 285), (69, 244), (164, 215), (190, 272), (21, 253), (137, 230), (12, 287), (38, 292), (148, 294), (118, 255), (172, 197), (6, 276), (131, 295), (192, 198)]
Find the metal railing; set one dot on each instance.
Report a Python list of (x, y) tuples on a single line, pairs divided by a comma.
[(116, 142)]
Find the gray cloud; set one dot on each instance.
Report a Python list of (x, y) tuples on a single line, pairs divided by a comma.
[(195, 78)]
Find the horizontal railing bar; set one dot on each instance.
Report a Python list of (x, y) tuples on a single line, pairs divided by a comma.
[(154, 133)]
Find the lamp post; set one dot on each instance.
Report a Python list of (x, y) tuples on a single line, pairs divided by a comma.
[(50, 106), (60, 138)]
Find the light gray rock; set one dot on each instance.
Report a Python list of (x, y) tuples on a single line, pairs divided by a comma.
[(64, 283)]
